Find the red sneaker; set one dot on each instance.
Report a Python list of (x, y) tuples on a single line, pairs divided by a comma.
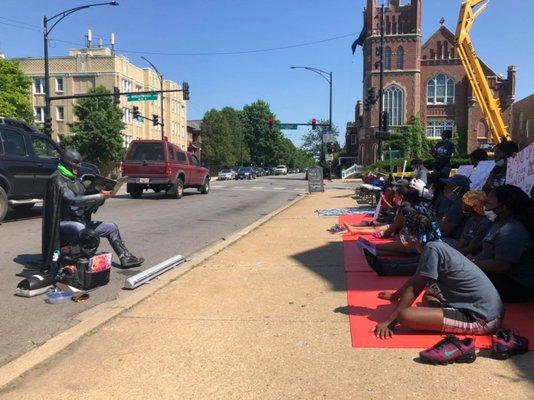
[(450, 350), (507, 343)]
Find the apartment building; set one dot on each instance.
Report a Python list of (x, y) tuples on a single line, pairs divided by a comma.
[(85, 68)]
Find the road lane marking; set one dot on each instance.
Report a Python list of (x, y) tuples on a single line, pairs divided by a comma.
[(278, 188)]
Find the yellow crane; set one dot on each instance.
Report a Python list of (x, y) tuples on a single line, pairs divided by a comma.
[(490, 105)]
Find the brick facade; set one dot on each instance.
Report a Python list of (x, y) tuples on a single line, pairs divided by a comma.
[(409, 67), (523, 122)]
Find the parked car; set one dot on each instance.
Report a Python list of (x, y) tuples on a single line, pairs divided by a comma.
[(27, 159), (246, 173), (227, 174), (280, 170), (270, 170), (162, 166)]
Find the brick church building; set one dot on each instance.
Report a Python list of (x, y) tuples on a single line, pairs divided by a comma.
[(421, 79)]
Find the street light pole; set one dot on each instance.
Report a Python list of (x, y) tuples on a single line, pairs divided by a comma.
[(327, 76), (381, 91), (160, 75), (46, 32)]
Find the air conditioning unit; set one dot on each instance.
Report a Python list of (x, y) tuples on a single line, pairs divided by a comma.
[(142, 277)]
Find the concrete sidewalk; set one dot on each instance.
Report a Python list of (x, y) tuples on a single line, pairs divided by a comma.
[(265, 318)]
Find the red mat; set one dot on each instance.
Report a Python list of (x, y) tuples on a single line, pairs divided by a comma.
[(366, 310)]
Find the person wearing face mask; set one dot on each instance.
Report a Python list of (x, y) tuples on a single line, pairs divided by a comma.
[(463, 300), (476, 226), (448, 208), (497, 176), (420, 171), (442, 154), (507, 249)]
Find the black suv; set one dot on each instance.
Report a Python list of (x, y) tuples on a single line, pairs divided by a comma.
[(27, 159)]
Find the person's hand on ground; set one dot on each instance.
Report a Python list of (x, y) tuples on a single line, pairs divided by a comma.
[(383, 330), (391, 296), (106, 194)]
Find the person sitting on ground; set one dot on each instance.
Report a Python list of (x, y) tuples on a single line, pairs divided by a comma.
[(497, 176), (476, 226), (420, 170), (507, 248), (448, 209), (442, 154), (462, 300), (478, 155)]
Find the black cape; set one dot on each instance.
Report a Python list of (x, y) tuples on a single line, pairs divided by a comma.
[(51, 218)]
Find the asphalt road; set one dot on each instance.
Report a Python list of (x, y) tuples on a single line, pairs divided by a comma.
[(153, 227)]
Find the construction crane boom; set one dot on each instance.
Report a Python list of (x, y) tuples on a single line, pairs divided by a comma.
[(490, 105)]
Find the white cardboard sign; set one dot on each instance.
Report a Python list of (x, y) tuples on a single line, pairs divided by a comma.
[(465, 170), (481, 173), (520, 169)]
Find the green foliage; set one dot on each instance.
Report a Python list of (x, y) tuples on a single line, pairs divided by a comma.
[(411, 140), (460, 143), (226, 132), (15, 90), (98, 132), (312, 142), (223, 138)]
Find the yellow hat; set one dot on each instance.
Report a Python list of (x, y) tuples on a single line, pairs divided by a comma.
[(476, 200)]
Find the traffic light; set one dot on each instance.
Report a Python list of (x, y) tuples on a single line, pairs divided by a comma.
[(155, 120), (116, 95), (185, 90), (371, 99), (135, 111), (47, 128), (330, 149), (314, 123), (385, 121), (271, 122)]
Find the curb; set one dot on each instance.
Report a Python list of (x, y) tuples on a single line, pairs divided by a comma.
[(95, 317)]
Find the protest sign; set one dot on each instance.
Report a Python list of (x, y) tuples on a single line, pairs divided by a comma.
[(465, 170), (520, 169), (481, 173)]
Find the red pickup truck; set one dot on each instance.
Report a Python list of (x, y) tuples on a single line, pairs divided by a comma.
[(160, 165)]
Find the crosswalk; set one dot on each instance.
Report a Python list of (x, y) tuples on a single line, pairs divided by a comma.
[(221, 186)]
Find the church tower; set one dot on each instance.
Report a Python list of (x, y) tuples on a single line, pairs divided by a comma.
[(402, 67)]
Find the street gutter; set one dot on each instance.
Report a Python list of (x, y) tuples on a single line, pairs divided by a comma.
[(95, 317)]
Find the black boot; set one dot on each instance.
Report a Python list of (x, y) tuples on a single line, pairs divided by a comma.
[(127, 259)]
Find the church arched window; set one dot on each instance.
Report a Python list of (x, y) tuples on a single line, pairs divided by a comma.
[(440, 90), (394, 105), (387, 58), (400, 58)]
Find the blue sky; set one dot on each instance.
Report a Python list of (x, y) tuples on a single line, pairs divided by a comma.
[(197, 26)]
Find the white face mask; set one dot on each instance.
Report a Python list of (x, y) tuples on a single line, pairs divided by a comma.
[(490, 215)]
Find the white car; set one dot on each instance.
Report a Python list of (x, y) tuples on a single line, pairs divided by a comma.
[(280, 170), (227, 174)]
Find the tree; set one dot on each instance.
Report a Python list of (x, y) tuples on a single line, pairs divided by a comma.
[(313, 140), (222, 138), (98, 132), (264, 142), (15, 90)]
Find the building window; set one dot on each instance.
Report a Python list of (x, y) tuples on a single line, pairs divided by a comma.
[(400, 58), (60, 113), (59, 85), (38, 112), (126, 85), (387, 58), (440, 90), (434, 128), (138, 88), (38, 86), (127, 115), (394, 105), (353, 139)]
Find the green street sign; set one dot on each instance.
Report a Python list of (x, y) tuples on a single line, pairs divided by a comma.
[(289, 126), (142, 97), (141, 118)]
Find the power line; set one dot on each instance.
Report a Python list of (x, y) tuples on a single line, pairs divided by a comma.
[(19, 26), (20, 22)]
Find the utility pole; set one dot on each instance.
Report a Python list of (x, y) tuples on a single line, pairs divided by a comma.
[(381, 90), (46, 32), (160, 75)]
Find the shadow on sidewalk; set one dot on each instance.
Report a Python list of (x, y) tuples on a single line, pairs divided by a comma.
[(327, 262)]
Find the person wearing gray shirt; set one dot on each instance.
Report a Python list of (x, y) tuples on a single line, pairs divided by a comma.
[(460, 297)]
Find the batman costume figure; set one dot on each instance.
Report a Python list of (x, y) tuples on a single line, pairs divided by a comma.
[(67, 213)]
